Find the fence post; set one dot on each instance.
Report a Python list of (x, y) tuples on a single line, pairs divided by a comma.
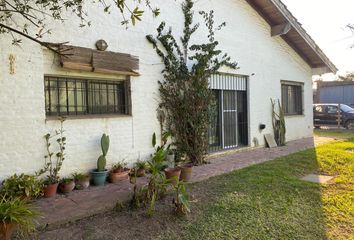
[(338, 116)]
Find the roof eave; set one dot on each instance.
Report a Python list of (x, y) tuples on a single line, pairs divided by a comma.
[(289, 29), (294, 23)]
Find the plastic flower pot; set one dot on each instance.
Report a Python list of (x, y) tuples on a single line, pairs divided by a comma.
[(82, 183), (99, 178), (67, 187), (173, 174), (50, 190), (6, 230), (186, 172), (118, 176)]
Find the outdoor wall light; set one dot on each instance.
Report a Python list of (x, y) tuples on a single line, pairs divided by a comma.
[(101, 45), (262, 126)]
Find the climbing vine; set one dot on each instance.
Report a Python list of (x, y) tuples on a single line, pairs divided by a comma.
[(184, 93)]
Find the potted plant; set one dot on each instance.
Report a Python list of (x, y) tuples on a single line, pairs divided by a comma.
[(186, 172), (67, 185), (82, 181), (22, 186), (119, 172), (53, 161), (181, 199), (99, 175), (15, 213), (172, 174), (140, 167)]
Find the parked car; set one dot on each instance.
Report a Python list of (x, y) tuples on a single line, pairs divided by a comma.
[(327, 114)]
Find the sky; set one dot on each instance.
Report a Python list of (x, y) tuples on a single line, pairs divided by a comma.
[(325, 21)]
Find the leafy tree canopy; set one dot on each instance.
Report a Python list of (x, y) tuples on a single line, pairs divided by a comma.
[(19, 16), (347, 77)]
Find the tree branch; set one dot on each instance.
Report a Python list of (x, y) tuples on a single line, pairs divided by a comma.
[(46, 45)]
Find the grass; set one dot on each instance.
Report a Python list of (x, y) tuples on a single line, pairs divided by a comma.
[(265, 201), (269, 201), (334, 133)]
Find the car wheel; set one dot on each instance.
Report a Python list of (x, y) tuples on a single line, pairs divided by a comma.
[(349, 124)]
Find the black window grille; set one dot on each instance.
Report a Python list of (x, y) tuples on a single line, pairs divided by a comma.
[(224, 128), (291, 96), (70, 96)]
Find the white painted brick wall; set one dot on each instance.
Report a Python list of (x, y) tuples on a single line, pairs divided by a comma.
[(22, 115)]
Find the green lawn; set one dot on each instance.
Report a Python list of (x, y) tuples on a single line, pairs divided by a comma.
[(265, 201), (334, 133), (269, 201)]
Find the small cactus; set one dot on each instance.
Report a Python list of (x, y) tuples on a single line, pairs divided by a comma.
[(101, 162)]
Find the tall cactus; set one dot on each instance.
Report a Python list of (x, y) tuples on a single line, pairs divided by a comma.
[(278, 121), (282, 127), (101, 162)]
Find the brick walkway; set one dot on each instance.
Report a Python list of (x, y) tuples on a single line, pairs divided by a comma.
[(81, 204), (230, 162)]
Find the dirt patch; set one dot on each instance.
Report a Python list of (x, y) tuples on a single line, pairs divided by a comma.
[(126, 223)]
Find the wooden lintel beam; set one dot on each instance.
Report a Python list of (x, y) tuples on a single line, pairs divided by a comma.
[(280, 29)]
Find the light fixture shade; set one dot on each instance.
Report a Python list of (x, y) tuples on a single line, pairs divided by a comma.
[(101, 45)]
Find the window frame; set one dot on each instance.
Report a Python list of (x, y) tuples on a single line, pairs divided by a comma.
[(124, 81), (299, 100)]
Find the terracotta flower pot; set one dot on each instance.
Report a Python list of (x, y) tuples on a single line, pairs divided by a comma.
[(6, 230), (140, 173), (67, 187), (50, 190), (82, 183), (173, 174), (115, 177), (186, 172)]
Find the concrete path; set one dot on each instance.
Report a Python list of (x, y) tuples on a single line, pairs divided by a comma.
[(95, 200)]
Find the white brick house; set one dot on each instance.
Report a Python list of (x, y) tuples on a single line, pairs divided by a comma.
[(288, 58)]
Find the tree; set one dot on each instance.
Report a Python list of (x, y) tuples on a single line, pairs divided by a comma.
[(349, 76), (23, 17), (351, 28), (185, 96)]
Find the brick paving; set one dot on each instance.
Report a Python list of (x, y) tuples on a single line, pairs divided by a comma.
[(230, 162), (95, 200)]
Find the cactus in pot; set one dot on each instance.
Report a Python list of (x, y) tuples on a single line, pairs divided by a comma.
[(99, 175), (101, 162)]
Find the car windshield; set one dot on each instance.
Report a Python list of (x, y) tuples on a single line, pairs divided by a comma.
[(346, 108)]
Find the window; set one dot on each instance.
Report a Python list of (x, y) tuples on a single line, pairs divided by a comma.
[(332, 109), (70, 96), (291, 96), (346, 108), (319, 109)]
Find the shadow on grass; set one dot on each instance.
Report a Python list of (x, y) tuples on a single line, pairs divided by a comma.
[(269, 201), (264, 201)]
